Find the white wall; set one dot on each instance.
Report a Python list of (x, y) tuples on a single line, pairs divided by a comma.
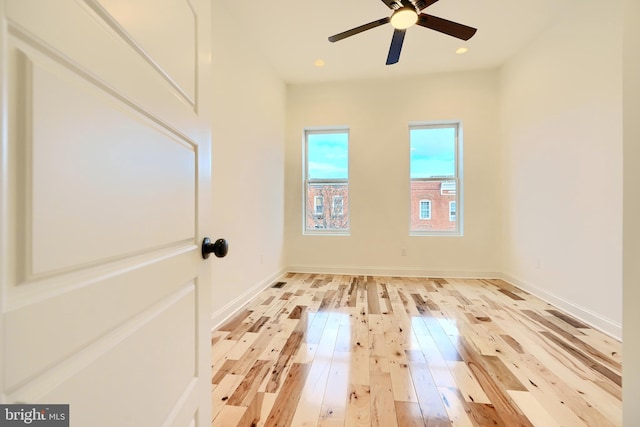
[(378, 113), (562, 130), (631, 349), (248, 167)]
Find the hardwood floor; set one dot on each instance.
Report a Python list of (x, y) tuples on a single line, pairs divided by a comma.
[(329, 350)]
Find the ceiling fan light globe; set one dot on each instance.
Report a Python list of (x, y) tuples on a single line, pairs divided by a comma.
[(404, 18)]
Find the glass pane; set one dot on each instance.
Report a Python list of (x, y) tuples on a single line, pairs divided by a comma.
[(337, 206), (425, 209), (319, 208), (328, 155), (329, 217), (435, 214), (433, 152)]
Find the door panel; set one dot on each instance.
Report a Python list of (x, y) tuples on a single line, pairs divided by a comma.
[(105, 184), (173, 53), (158, 373), (66, 315), (148, 203), (92, 48)]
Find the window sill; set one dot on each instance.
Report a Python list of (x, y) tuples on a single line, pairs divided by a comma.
[(325, 233), (436, 233)]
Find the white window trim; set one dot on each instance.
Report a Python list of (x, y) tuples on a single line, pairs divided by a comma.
[(306, 182), (458, 178), (315, 205), (428, 202), (449, 192), (333, 206)]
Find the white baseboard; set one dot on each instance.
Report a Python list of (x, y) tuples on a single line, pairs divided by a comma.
[(595, 320), (386, 271), (226, 312)]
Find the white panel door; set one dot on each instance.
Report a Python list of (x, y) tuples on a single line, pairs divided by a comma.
[(104, 200)]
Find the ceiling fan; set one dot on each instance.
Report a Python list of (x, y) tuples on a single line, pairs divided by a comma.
[(405, 14)]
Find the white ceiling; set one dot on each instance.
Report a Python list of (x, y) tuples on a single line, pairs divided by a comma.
[(291, 35)]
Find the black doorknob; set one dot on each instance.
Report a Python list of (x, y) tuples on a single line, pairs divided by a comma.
[(219, 248)]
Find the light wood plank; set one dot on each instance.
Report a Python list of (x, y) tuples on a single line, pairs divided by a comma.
[(358, 406), (383, 412), (329, 351), (409, 414), (284, 408), (456, 407), (533, 409)]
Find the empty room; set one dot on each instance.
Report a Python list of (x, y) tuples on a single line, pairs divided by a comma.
[(363, 213)]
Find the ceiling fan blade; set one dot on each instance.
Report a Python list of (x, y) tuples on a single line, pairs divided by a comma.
[(419, 4), (357, 30), (391, 4), (447, 27), (423, 4), (396, 46)]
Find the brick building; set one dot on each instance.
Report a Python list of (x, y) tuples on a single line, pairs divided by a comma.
[(433, 206), (328, 207)]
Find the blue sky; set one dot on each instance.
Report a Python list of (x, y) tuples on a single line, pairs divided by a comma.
[(328, 155), (433, 152)]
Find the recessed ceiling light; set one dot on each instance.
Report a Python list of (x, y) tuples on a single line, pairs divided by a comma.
[(461, 50), (319, 63)]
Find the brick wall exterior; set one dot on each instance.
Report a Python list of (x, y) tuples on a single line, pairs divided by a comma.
[(431, 190), (329, 219), (420, 190)]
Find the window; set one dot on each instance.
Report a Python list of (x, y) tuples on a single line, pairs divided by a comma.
[(425, 209), (435, 179), (448, 187), (326, 175), (337, 205), (318, 203)]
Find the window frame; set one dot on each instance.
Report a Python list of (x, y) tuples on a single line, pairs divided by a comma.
[(420, 217), (306, 181), (457, 178), (333, 206), (317, 205)]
